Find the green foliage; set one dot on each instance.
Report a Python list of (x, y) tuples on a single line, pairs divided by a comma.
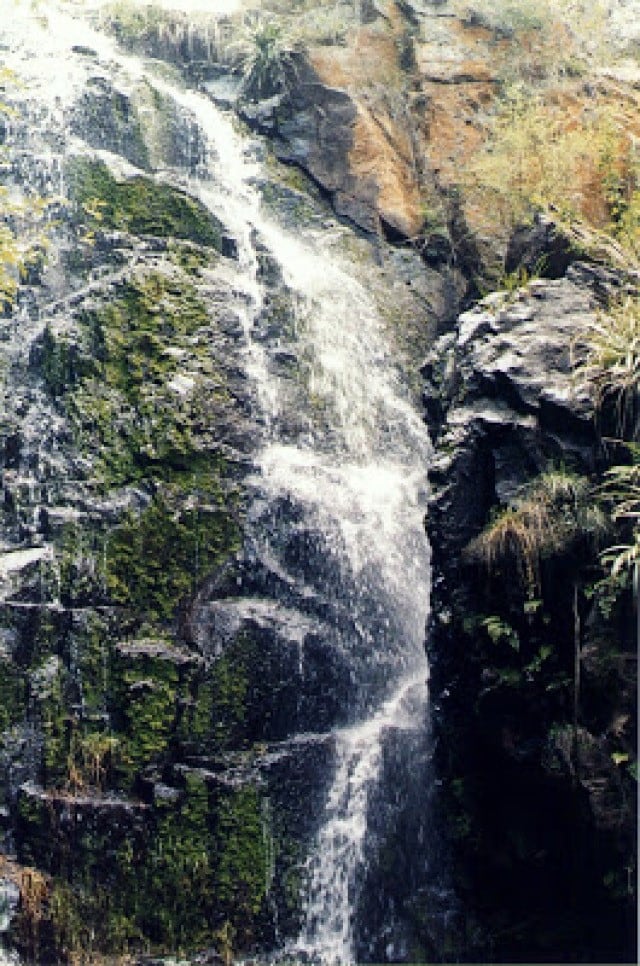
[(499, 631), (607, 355), (622, 488), (229, 694), (608, 360), (266, 55)]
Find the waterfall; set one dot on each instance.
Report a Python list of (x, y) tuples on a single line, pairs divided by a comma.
[(338, 481)]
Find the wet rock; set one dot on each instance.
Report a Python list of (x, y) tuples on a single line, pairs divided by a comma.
[(105, 118), (502, 399)]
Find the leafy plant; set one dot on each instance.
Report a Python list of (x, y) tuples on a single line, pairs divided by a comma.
[(622, 488), (501, 632)]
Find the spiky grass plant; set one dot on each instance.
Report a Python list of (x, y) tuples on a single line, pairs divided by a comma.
[(607, 354), (547, 517), (265, 50)]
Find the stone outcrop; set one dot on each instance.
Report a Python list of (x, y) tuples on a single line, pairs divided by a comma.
[(164, 680), (150, 660)]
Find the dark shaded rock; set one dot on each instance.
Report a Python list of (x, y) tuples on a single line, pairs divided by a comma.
[(540, 249), (538, 815), (105, 117)]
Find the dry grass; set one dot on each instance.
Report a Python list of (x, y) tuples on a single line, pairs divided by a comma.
[(521, 533), (564, 152), (546, 518)]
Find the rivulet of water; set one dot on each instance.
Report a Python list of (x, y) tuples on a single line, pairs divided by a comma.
[(339, 483)]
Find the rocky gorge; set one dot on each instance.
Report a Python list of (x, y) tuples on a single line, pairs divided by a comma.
[(252, 270)]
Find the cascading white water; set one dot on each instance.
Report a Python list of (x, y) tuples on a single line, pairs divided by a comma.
[(339, 853), (353, 464)]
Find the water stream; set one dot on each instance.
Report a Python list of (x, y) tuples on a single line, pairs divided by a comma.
[(339, 476)]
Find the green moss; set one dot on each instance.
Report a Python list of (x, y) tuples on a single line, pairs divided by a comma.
[(139, 205), (80, 553), (11, 694), (62, 365), (241, 867), (154, 561), (230, 681), (190, 258), (117, 389), (56, 727), (88, 923), (179, 865), (92, 639), (131, 333), (216, 722), (144, 704)]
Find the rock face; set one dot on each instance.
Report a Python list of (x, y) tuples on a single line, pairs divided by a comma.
[(524, 712), (362, 160), (124, 437), (170, 652), (502, 402)]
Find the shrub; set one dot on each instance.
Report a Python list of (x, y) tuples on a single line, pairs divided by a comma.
[(265, 60)]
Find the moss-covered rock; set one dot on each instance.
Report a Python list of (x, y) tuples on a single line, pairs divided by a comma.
[(139, 205), (138, 381), (155, 561)]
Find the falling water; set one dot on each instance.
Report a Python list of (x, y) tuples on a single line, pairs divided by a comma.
[(342, 451)]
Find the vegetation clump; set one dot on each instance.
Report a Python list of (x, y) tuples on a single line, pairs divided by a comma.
[(140, 376), (608, 358), (155, 560), (546, 518), (549, 155)]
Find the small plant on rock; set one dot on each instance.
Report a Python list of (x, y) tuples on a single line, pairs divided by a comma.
[(267, 53), (607, 353)]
